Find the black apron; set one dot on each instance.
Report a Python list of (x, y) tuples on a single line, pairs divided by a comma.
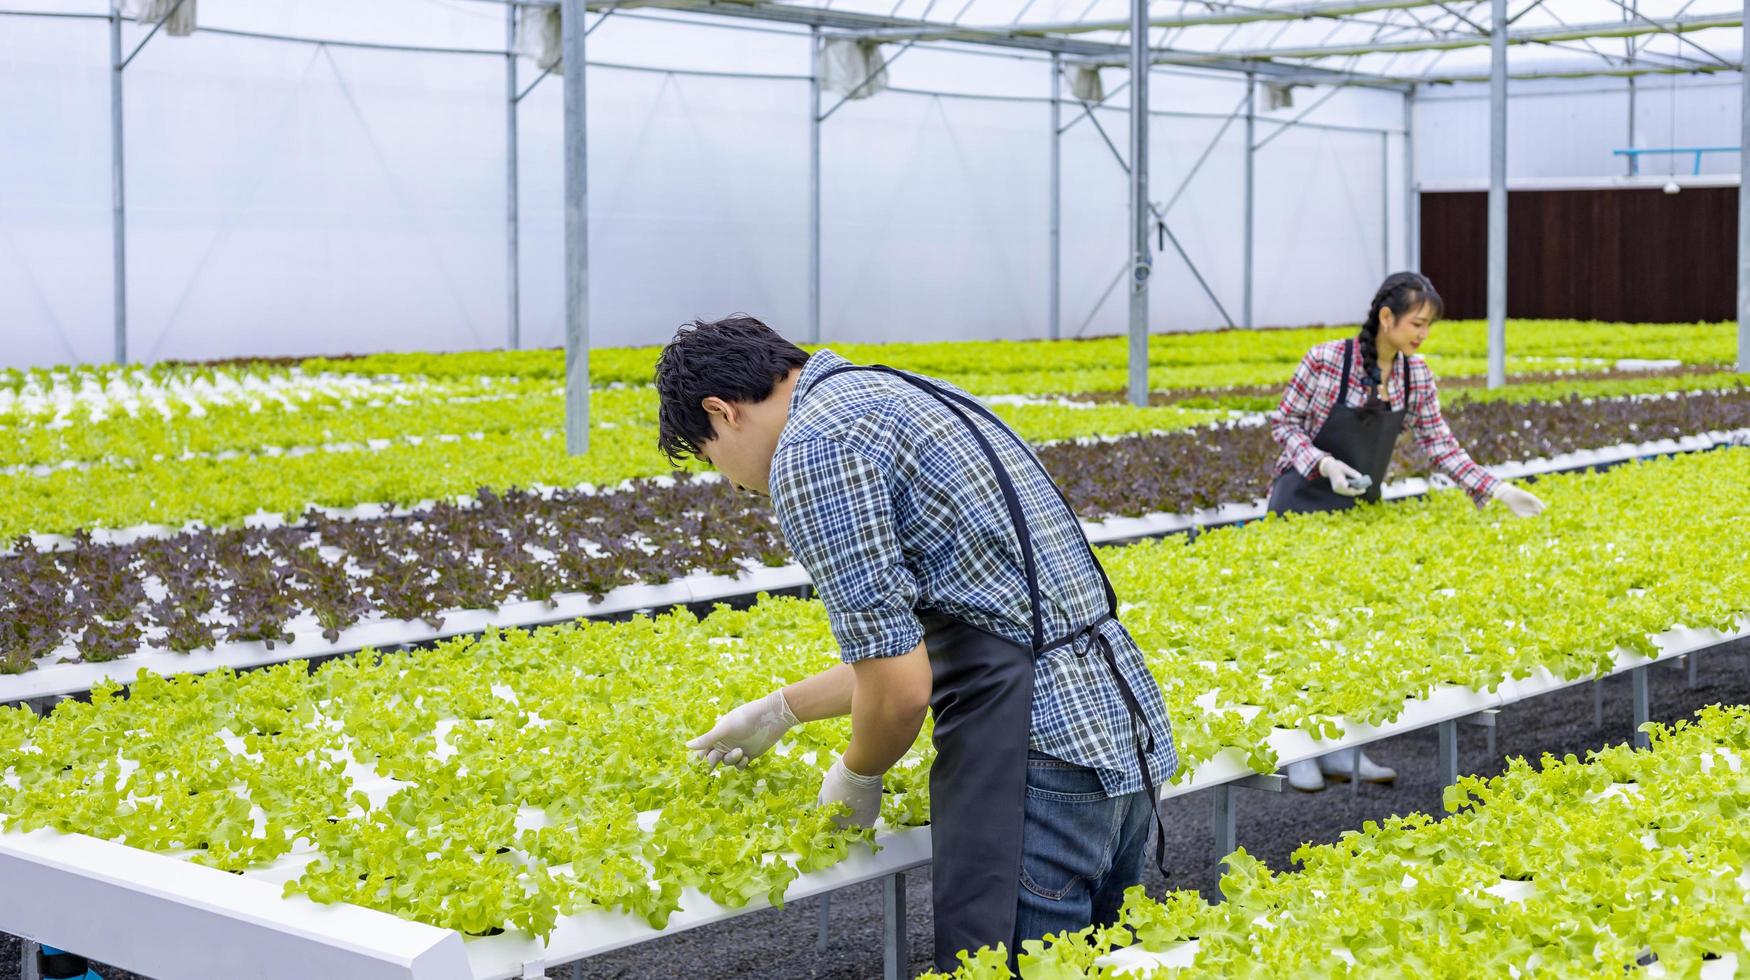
[(1364, 440), (982, 700)]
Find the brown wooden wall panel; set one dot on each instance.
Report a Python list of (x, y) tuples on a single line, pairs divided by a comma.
[(1624, 255)]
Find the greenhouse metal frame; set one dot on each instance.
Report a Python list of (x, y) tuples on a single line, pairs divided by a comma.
[(162, 894), (1394, 29)]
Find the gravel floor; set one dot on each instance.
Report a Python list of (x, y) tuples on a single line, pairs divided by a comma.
[(780, 944)]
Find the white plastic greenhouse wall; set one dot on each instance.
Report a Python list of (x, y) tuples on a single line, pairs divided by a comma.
[(291, 198)]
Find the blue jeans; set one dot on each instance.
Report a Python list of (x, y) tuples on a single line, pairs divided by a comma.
[(1080, 849)]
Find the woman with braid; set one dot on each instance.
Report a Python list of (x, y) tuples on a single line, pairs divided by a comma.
[(1338, 425)]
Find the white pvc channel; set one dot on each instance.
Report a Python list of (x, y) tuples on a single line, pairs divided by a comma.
[(59, 673)]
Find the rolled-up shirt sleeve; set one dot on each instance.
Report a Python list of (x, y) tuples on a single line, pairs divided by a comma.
[(835, 507), (1437, 441), (1291, 424)]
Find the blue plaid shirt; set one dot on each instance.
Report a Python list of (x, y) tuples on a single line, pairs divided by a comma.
[(892, 506)]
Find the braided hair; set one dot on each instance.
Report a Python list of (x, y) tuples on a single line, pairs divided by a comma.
[(1401, 292)]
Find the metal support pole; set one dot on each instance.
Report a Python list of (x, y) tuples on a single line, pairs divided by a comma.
[(1744, 215), (1598, 703), (1498, 194), (27, 950), (1251, 183), (512, 234), (894, 952), (1633, 159), (117, 186), (1412, 202), (823, 923), (1486, 720), (576, 229), (814, 186), (1222, 807), (1355, 771), (1642, 712), (1691, 665), (1385, 203), (1448, 734), (1628, 14), (1056, 283), (1140, 257), (1221, 820)]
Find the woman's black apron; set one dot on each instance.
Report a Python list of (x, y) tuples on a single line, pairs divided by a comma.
[(1363, 439), (982, 700)]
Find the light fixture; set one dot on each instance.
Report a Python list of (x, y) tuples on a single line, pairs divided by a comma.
[(1084, 84), (1672, 187)]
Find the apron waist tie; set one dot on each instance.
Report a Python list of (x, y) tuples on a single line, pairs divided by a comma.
[(1144, 740), (1089, 631)]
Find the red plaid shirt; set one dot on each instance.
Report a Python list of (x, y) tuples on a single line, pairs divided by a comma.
[(1313, 392)]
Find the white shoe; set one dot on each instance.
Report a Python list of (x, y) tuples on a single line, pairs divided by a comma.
[(1338, 765), (1305, 776)]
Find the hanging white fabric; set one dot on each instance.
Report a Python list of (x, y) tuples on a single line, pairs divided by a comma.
[(181, 21), (852, 68), (1278, 96), (540, 36), (1084, 84)]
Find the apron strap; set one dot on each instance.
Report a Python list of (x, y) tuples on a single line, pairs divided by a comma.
[(1011, 498), (943, 396), (1145, 743), (1027, 451), (1144, 739), (1348, 358), (1144, 736)]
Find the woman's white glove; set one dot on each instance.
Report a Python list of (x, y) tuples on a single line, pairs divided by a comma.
[(1520, 502), (745, 732), (1345, 479), (861, 793)]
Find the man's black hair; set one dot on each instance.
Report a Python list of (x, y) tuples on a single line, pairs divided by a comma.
[(737, 359)]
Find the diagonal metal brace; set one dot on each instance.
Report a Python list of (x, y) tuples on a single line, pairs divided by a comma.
[(149, 35), (1161, 223)]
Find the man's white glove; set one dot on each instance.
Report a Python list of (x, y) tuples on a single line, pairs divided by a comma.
[(745, 732), (1345, 479), (861, 793), (1518, 501)]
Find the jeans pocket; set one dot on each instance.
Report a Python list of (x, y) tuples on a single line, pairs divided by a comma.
[(1064, 782), (1071, 829)]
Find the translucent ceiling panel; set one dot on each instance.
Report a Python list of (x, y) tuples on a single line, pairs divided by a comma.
[(1320, 195), (1321, 220), (430, 23), (1202, 208), (290, 199), (935, 219), (698, 205), (1569, 128), (1096, 246), (54, 192)]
